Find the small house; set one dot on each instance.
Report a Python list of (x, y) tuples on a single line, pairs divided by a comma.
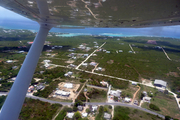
[(116, 93), (147, 99), (107, 116), (93, 108), (84, 114), (134, 83), (62, 93), (127, 99), (80, 108), (70, 115)]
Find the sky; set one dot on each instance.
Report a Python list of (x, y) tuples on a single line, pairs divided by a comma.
[(9, 19)]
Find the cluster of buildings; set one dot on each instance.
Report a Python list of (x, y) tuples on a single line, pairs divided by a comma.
[(68, 74), (117, 93), (39, 86), (77, 55), (93, 108), (83, 47), (46, 63), (64, 91)]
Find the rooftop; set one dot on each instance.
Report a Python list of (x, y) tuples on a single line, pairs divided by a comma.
[(161, 82)]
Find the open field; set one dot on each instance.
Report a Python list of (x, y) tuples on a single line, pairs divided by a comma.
[(35, 109), (166, 103), (126, 113)]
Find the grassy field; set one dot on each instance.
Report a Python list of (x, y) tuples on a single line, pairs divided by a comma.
[(166, 103), (125, 113), (35, 110), (97, 95)]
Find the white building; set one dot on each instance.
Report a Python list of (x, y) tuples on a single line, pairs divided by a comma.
[(62, 93), (13, 79), (85, 64), (116, 93), (46, 65), (9, 61), (147, 99), (70, 115), (99, 68), (93, 108), (104, 83), (68, 85), (93, 63), (127, 99), (134, 83), (84, 114), (160, 83), (68, 74), (46, 61)]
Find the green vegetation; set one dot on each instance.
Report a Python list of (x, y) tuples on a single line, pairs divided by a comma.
[(36, 110), (61, 115), (154, 107), (121, 113), (51, 74), (48, 89), (81, 97), (119, 84), (77, 116), (100, 115), (125, 113), (2, 99), (166, 104), (82, 81), (5, 85), (97, 95)]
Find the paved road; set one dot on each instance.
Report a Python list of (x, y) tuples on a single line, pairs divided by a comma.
[(166, 54), (89, 56), (79, 91), (103, 88), (132, 49), (41, 99), (66, 103)]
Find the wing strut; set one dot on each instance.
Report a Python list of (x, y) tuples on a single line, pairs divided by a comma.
[(16, 96)]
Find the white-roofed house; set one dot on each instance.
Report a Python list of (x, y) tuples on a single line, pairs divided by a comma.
[(70, 115), (68, 85), (160, 83), (147, 99), (116, 93), (62, 93), (84, 114), (107, 116), (93, 108), (127, 99)]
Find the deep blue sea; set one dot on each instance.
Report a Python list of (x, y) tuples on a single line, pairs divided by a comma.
[(173, 31)]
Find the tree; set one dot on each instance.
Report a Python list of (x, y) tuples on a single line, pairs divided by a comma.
[(154, 107), (75, 108), (88, 110), (77, 116), (167, 118), (142, 95), (115, 98), (123, 94)]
